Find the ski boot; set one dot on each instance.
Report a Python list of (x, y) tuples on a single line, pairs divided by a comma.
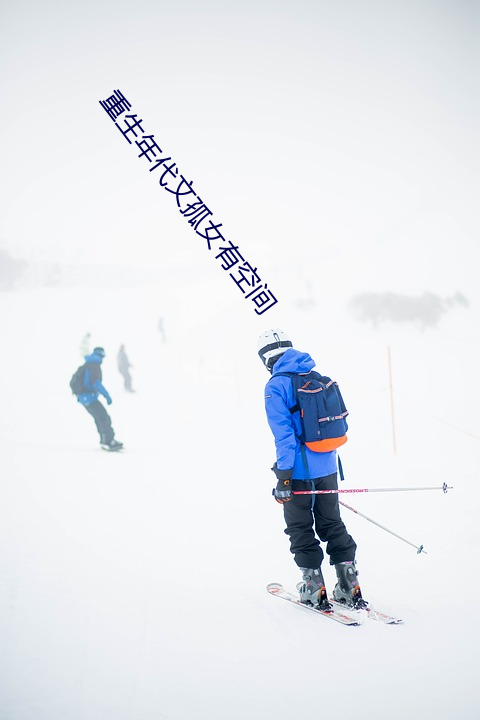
[(112, 446), (347, 590), (312, 589)]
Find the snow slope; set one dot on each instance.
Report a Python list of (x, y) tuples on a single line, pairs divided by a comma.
[(133, 585)]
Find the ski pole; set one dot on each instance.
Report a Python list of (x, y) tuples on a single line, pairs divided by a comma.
[(419, 548), (443, 487)]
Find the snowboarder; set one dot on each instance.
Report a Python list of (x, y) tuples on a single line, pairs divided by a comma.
[(88, 397), (308, 518), (123, 366)]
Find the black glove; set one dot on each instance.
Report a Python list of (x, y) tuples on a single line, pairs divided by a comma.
[(283, 492)]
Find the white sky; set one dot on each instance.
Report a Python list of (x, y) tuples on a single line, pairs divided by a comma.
[(341, 130)]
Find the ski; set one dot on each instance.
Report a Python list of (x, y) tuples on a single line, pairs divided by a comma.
[(336, 613), (371, 613)]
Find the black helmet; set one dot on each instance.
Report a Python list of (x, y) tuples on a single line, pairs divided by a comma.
[(99, 351)]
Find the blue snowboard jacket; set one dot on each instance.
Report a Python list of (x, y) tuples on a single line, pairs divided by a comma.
[(285, 426), (93, 381)]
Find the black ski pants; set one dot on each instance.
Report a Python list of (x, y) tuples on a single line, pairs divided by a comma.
[(102, 421), (309, 517)]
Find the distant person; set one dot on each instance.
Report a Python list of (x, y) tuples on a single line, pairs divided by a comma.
[(85, 345), (124, 368), (86, 384), (306, 464), (161, 329)]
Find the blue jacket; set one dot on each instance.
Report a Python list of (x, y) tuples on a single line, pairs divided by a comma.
[(93, 381), (285, 426)]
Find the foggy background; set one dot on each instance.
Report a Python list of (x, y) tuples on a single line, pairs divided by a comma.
[(347, 131), (338, 145)]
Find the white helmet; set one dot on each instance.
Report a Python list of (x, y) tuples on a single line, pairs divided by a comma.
[(271, 344)]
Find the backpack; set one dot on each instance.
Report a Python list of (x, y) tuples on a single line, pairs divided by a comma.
[(322, 411), (78, 378)]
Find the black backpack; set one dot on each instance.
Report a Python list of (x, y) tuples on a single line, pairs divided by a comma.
[(77, 382)]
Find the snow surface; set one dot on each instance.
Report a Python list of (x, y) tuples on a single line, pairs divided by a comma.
[(133, 585)]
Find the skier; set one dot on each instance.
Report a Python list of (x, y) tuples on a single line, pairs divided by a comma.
[(85, 345), (299, 468), (123, 366), (88, 397)]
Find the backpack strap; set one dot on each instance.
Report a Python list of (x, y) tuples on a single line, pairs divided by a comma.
[(304, 458), (293, 377)]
